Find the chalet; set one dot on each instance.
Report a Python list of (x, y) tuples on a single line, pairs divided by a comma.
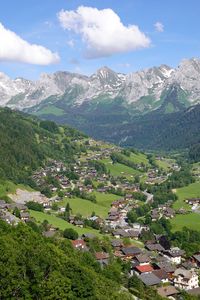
[(193, 201), (134, 234), (196, 259), (78, 223), (149, 279), (131, 252), (25, 216), (102, 258), (167, 291), (89, 236), (142, 269), (117, 244), (185, 279), (154, 247), (174, 255), (142, 259), (166, 266), (79, 244), (162, 274), (168, 213)]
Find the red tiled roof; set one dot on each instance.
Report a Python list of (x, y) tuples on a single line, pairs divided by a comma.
[(78, 243), (144, 268)]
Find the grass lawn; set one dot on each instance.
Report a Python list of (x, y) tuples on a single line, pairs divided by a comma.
[(191, 220), (163, 164), (120, 169), (59, 223), (85, 207), (8, 187), (138, 158), (190, 191)]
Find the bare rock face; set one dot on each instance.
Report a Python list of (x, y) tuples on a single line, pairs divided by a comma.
[(22, 94)]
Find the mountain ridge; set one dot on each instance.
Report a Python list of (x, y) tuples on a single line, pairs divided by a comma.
[(132, 87)]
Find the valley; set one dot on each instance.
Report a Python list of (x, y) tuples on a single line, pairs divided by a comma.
[(116, 204)]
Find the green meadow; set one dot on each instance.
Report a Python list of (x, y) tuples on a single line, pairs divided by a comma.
[(60, 223), (86, 208)]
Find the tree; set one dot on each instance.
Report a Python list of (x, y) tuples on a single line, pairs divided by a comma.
[(132, 216), (70, 233), (16, 212), (35, 206)]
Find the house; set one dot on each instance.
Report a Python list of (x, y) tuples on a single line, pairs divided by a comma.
[(79, 244), (102, 258), (185, 279), (167, 267), (196, 259), (134, 234), (79, 223), (89, 236), (174, 255), (154, 247), (149, 279), (162, 274), (25, 216), (117, 244), (142, 259), (167, 291), (141, 269), (131, 252)]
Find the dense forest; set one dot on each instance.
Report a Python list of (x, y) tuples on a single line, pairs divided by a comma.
[(26, 143), (34, 267)]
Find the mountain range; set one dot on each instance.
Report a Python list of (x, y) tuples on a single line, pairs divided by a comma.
[(106, 99)]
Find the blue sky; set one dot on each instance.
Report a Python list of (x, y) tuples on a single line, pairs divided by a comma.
[(36, 22)]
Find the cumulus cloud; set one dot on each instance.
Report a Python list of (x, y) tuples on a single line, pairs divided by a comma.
[(14, 48), (159, 27), (102, 31)]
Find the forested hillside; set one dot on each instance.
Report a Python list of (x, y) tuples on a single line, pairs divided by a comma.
[(155, 131), (26, 143), (33, 267)]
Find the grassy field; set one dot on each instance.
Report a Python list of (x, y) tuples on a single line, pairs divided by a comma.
[(120, 169), (190, 191), (51, 109), (138, 158), (191, 220), (163, 164), (59, 223), (86, 208)]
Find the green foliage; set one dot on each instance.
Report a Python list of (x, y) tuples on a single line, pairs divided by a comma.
[(27, 143), (99, 166), (35, 206), (33, 267), (70, 233)]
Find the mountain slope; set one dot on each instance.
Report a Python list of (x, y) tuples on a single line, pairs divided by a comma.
[(157, 131), (26, 143)]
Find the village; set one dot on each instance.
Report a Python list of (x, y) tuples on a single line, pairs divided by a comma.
[(155, 262)]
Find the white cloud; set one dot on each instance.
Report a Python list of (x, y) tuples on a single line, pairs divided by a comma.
[(71, 43), (102, 31), (159, 27), (14, 48)]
